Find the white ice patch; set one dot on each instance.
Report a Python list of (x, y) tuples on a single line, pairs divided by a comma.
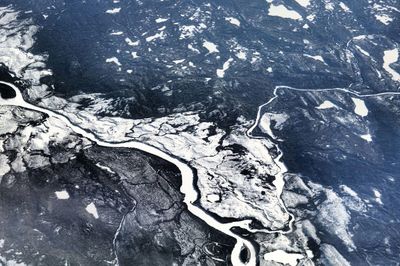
[(367, 137), (159, 35), (362, 51), (161, 20), (344, 7), (233, 21), (303, 3), (269, 69), (326, 105), (105, 168), (113, 11), (330, 256), (390, 57), (283, 257), (360, 107), (211, 47), (383, 18), (131, 43), (116, 33), (265, 122), (221, 72), (179, 61), (134, 55), (113, 60), (91, 208), (315, 57), (190, 47), (283, 12), (63, 194), (378, 196)]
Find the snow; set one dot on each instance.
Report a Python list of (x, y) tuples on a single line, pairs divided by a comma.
[(390, 57), (233, 21), (134, 55), (113, 11), (378, 196), (63, 194), (91, 208), (344, 7), (362, 51), (113, 60), (360, 107), (283, 12), (117, 33), (131, 43), (211, 47), (159, 35), (326, 105), (315, 57), (367, 137), (303, 3), (161, 20), (221, 72), (283, 257), (269, 69), (179, 61), (383, 18)]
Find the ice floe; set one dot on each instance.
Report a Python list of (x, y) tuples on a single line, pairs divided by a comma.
[(344, 7), (378, 196), (159, 35), (383, 18), (315, 57), (283, 12)]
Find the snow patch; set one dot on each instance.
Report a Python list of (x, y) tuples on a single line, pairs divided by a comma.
[(211, 47), (63, 194), (283, 257), (233, 21), (360, 107), (390, 57), (91, 208), (283, 12), (113, 60), (113, 11), (221, 72), (326, 105)]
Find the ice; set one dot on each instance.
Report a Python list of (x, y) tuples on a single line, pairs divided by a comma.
[(378, 196), (113, 11), (131, 43), (117, 33), (303, 3), (91, 208), (383, 18), (211, 47), (63, 194), (344, 7), (113, 60), (326, 105), (161, 20), (134, 55), (315, 57), (283, 257), (390, 57), (360, 107), (283, 12), (221, 72), (4, 165), (159, 35), (331, 257), (233, 21), (367, 137), (362, 51)]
